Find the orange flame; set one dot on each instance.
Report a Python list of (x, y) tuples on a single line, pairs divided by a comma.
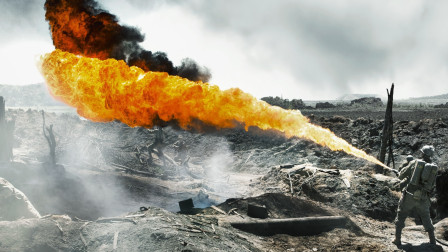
[(111, 90), (75, 30)]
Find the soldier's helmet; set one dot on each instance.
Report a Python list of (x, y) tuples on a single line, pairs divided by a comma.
[(409, 158), (428, 150)]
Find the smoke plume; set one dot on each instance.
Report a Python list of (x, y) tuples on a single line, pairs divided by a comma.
[(83, 28)]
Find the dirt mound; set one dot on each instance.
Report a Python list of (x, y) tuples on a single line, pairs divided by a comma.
[(151, 230), (14, 204), (278, 205), (354, 191)]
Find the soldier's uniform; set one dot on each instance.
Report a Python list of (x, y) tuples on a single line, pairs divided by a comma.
[(414, 196)]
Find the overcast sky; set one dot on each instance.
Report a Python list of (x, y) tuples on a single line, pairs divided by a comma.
[(307, 49)]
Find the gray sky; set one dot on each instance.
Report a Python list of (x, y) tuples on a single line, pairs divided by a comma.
[(307, 49)]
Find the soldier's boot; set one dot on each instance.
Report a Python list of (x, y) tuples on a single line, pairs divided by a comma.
[(397, 240), (432, 237)]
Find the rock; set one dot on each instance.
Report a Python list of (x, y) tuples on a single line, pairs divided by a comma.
[(441, 229), (361, 121), (337, 119), (324, 105), (14, 204), (374, 132), (441, 105)]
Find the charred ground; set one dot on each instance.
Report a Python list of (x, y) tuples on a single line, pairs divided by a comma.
[(104, 177)]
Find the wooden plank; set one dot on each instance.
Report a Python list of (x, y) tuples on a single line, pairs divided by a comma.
[(219, 210), (292, 226)]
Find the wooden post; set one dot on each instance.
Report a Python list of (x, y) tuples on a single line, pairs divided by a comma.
[(3, 142), (6, 134), (2, 110), (386, 137), (50, 139)]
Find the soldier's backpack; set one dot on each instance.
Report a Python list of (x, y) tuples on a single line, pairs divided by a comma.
[(428, 177), (422, 179)]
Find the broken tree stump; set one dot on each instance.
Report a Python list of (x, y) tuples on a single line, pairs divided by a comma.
[(3, 151), (50, 139), (291, 226), (2, 110), (6, 134), (386, 136)]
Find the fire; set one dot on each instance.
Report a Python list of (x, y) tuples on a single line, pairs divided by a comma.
[(74, 28), (106, 90)]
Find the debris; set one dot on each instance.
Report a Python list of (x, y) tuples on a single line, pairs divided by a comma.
[(330, 171), (346, 182), (219, 210), (287, 166), (290, 184), (233, 210), (306, 181), (134, 215), (115, 219), (82, 239), (193, 230), (85, 224), (247, 159), (186, 205), (115, 240), (133, 171), (59, 227)]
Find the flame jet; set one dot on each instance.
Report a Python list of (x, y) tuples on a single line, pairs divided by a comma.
[(106, 90)]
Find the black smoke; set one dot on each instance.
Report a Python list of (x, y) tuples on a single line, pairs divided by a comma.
[(101, 35)]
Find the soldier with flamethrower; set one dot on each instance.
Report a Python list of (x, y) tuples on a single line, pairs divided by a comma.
[(417, 182)]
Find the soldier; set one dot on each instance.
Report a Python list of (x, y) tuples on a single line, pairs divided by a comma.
[(417, 181)]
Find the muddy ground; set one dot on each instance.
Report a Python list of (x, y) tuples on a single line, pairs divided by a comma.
[(102, 176)]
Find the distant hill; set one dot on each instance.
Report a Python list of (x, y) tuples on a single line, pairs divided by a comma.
[(428, 100), (436, 97), (27, 96), (350, 97)]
